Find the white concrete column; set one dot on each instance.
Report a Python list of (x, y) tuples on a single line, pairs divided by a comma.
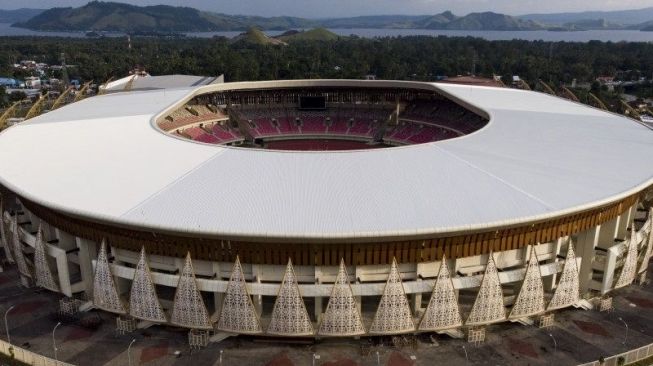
[(624, 221), (608, 233), (586, 241), (318, 299), (218, 297), (550, 281), (417, 298), (258, 299), (87, 253), (66, 241), (359, 299), (608, 269), (63, 274), (34, 221), (123, 285)]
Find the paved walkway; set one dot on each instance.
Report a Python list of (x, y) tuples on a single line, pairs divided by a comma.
[(581, 336)]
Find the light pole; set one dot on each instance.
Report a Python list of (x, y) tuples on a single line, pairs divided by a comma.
[(626, 325), (555, 344), (220, 357), (54, 342), (7, 324), (129, 355), (378, 359), (466, 357)]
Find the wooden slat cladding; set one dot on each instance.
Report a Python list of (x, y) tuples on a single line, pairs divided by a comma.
[(406, 251)]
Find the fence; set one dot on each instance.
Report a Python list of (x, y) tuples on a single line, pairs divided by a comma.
[(29, 357), (629, 357)]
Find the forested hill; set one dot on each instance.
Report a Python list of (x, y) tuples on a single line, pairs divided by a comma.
[(109, 16)]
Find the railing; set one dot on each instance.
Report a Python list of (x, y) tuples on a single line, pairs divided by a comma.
[(628, 357), (29, 357)]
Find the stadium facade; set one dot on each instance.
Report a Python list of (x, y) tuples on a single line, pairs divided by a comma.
[(328, 207)]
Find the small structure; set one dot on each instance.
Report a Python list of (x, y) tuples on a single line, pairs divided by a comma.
[(68, 306), (476, 335), (125, 325), (546, 320), (198, 338), (642, 278), (605, 304)]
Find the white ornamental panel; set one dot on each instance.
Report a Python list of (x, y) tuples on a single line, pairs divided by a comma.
[(567, 292), (44, 277), (341, 317), (238, 314), (629, 268), (105, 294), (21, 263), (648, 237), (143, 300), (5, 239), (442, 312), (188, 309), (530, 300), (488, 306), (393, 315), (289, 315)]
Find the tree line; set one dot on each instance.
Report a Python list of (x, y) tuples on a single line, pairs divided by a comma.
[(402, 58)]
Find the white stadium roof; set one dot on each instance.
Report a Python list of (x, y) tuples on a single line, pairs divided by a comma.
[(539, 157)]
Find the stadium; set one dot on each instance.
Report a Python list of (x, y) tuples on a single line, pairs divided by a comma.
[(328, 208)]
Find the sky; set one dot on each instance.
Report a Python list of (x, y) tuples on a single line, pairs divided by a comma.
[(346, 8)]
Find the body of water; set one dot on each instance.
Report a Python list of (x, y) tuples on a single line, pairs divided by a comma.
[(582, 36)]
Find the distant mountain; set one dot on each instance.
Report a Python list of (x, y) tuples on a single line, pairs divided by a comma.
[(624, 17), (110, 16), (120, 17), (438, 21), (374, 22), (446, 20), (492, 21), (587, 24), (317, 34), (18, 15)]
